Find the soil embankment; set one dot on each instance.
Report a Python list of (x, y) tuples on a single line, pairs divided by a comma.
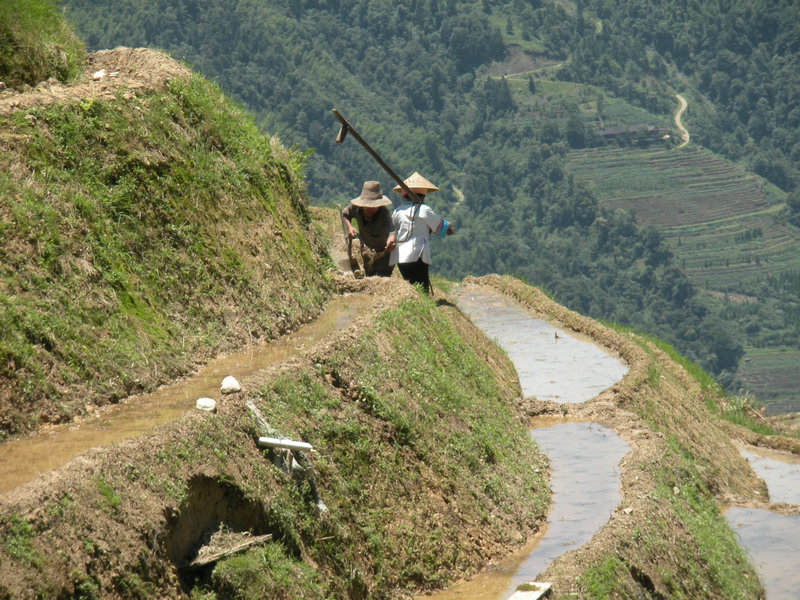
[(421, 458), (148, 225)]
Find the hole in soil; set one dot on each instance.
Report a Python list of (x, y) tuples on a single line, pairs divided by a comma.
[(644, 580), (211, 506)]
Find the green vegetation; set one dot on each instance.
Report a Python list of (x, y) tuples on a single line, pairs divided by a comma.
[(262, 573), (670, 540), (121, 213), (158, 226), (681, 498), (36, 43), (18, 536), (108, 493), (741, 409), (726, 229), (492, 100), (439, 426), (419, 451)]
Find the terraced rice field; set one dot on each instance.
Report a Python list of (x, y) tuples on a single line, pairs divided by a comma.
[(722, 223), (724, 227), (771, 375)]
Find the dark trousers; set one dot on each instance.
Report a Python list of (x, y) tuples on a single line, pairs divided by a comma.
[(416, 272)]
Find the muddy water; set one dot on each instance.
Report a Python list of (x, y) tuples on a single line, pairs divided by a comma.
[(585, 484), (772, 538), (554, 365), (772, 541), (21, 460), (551, 363), (779, 470)]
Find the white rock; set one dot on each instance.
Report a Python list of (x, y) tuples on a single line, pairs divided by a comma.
[(98, 75), (230, 385), (206, 404)]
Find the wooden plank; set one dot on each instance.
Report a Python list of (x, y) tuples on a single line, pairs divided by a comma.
[(206, 560)]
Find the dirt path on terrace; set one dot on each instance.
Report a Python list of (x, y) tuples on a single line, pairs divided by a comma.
[(106, 73)]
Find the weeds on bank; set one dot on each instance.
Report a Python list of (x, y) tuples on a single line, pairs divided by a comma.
[(406, 414), (37, 44), (265, 572), (107, 492), (18, 537), (682, 505), (741, 409), (721, 560)]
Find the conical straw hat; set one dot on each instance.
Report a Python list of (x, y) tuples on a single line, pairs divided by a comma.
[(417, 183)]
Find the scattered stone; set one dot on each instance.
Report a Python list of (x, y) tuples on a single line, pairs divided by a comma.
[(98, 75), (627, 510), (206, 404), (230, 385)]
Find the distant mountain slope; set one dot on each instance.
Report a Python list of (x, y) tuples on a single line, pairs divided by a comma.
[(728, 231), (722, 222)]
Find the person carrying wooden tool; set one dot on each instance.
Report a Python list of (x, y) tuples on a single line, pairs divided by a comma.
[(414, 223), (375, 228)]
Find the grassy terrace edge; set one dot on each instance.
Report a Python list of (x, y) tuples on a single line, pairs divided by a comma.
[(422, 458), (149, 227)]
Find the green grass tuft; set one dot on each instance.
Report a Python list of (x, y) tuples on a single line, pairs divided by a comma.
[(36, 43)]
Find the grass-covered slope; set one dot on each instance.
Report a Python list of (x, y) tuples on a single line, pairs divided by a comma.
[(146, 223), (36, 44), (421, 457)]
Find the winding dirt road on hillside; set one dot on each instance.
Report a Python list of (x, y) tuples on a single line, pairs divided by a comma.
[(679, 123)]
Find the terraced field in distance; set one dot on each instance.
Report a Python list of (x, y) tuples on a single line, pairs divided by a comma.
[(723, 225), (721, 221), (771, 375)]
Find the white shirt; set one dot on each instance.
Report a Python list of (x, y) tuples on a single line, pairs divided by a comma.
[(417, 241)]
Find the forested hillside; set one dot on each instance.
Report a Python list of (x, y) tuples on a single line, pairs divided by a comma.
[(742, 60), (487, 99)]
